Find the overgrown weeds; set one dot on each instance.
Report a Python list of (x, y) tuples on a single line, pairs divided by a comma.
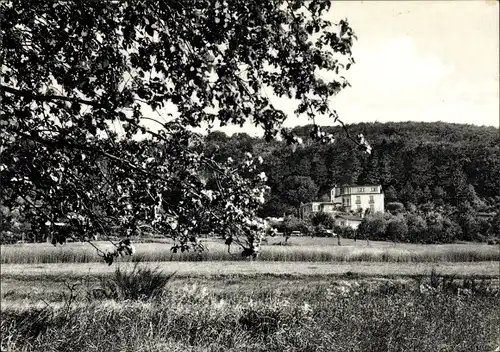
[(471, 285), (315, 320), (140, 283)]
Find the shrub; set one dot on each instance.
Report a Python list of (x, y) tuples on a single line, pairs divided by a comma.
[(466, 286), (397, 229), (417, 227), (374, 226), (395, 207), (323, 219), (140, 283), (348, 232)]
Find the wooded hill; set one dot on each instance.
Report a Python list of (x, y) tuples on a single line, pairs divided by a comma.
[(437, 177), (415, 162)]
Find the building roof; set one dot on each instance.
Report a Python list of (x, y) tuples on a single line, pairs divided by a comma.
[(356, 185), (318, 202), (360, 193)]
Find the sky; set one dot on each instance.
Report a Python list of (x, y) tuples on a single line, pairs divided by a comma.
[(422, 61), (416, 61)]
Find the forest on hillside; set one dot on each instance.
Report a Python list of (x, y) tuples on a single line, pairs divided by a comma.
[(414, 162), (451, 169), (431, 173)]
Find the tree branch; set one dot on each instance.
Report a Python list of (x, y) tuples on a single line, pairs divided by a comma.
[(47, 97)]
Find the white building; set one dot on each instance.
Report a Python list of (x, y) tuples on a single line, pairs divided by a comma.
[(348, 221), (348, 198), (356, 197)]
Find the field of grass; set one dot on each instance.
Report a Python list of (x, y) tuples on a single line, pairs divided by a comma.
[(303, 249), (247, 313), (310, 295), (218, 269)]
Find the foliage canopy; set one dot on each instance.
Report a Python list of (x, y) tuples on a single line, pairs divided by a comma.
[(70, 71)]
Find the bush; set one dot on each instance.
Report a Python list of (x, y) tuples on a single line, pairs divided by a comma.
[(292, 223), (348, 232), (141, 283), (417, 227), (397, 229), (374, 226), (395, 207), (323, 219), (466, 286)]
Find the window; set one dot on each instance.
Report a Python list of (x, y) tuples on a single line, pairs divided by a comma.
[(374, 189), (358, 206), (372, 200), (358, 199), (361, 189), (372, 208)]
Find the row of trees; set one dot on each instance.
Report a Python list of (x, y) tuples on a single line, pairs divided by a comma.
[(424, 224), (432, 226)]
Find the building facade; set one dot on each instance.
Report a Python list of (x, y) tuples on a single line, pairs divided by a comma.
[(348, 198), (359, 198), (310, 208), (348, 221)]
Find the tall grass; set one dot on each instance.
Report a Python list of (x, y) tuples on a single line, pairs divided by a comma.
[(319, 319), (311, 250), (140, 283)]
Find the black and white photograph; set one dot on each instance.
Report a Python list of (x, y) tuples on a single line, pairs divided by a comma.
[(249, 175)]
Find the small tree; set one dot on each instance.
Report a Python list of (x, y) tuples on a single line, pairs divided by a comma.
[(395, 208), (348, 232), (467, 220), (417, 227), (439, 195), (495, 224), (440, 229), (295, 190), (484, 227), (374, 226), (73, 75), (391, 195), (324, 219), (397, 229), (292, 223)]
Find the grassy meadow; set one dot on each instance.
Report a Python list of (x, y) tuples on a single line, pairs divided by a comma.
[(248, 313), (256, 269), (299, 249), (308, 295)]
